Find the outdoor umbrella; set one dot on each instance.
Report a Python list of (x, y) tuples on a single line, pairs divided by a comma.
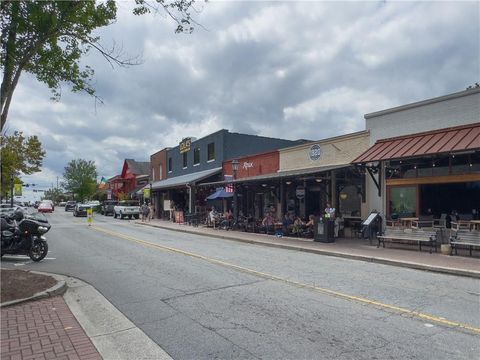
[(219, 194)]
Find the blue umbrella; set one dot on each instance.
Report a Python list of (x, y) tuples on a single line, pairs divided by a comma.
[(219, 194)]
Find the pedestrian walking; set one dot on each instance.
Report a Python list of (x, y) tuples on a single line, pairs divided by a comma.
[(144, 210), (151, 211)]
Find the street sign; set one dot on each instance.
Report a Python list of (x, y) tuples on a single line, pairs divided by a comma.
[(89, 216)]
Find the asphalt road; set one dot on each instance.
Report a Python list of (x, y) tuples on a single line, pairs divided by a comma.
[(204, 298)]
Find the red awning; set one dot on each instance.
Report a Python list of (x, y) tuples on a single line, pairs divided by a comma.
[(450, 140)]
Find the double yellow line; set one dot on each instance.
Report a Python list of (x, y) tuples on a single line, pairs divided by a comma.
[(380, 305)]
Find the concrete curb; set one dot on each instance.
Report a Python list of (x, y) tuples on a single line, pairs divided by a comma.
[(112, 333), (372, 259), (59, 289)]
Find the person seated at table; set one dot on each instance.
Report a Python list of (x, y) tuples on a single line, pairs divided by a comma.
[(298, 225), (227, 219), (287, 223), (268, 223), (213, 216), (308, 227)]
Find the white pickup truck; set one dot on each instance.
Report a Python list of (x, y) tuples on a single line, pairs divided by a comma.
[(127, 208)]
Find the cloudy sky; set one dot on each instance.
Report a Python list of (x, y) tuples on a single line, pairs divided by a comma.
[(281, 69)]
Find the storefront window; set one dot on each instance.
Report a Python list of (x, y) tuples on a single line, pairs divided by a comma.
[(184, 160), (196, 156), (211, 152), (350, 201), (403, 201), (460, 164)]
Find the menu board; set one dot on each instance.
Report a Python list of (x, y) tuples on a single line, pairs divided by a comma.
[(370, 218)]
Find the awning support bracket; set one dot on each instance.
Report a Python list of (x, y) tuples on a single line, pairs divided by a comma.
[(377, 182)]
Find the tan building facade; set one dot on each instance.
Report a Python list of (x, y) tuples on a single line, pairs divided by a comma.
[(338, 150)]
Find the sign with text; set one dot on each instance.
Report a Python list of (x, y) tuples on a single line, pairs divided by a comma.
[(300, 192), (185, 145), (315, 152)]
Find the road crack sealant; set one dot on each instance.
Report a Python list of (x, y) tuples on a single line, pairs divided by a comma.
[(377, 304)]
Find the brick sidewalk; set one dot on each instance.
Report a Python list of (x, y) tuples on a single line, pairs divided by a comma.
[(43, 329)]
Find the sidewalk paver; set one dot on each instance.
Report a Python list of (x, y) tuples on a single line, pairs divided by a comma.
[(360, 249), (44, 329)]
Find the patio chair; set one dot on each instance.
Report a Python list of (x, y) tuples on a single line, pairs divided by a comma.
[(440, 223)]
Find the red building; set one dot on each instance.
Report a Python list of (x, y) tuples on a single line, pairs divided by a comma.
[(254, 165), (134, 176)]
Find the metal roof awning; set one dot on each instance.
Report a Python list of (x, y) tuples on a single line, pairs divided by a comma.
[(140, 191), (450, 140), (282, 174), (184, 180)]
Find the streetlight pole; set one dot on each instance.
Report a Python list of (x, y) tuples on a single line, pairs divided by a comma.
[(235, 197)]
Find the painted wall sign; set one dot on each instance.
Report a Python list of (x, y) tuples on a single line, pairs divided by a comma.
[(247, 164), (185, 145), (315, 152)]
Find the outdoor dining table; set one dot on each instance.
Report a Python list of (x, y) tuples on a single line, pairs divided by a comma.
[(474, 224), (407, 221)]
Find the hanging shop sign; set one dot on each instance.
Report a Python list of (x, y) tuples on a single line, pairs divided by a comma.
[(185, 145), (146, 193), (300, 192), (315, 152)]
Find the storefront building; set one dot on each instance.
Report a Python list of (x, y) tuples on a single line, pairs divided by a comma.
[(430, 173), (325, 175), (302, 179), (423, 157), (195, 161)]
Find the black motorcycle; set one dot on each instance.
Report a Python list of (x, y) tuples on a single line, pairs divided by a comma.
[(23, 235)]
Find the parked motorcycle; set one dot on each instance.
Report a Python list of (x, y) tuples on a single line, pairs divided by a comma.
[(22, 234)]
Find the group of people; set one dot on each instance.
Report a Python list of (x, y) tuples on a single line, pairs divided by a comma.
[(291, 224), (146, 212), (224, 220)]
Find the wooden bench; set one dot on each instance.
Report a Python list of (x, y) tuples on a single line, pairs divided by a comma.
[(465, 238), (409, 235)]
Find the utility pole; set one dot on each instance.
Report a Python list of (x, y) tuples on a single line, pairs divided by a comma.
[(11, 189)]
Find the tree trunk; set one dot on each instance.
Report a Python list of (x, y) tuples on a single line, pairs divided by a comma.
[(6, 90)]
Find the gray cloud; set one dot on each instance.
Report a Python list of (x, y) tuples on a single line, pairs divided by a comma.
[(285, 69)]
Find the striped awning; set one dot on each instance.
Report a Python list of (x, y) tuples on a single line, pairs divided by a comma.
[(450, 140)]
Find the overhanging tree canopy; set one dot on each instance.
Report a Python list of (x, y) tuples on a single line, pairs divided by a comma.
[(48, 39)]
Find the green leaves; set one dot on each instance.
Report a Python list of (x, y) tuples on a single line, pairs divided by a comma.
[(19, 154), (80, 178), (49, 38)]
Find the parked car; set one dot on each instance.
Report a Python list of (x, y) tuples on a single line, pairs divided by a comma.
[(107, 207), (127, 208), (49, 202), (62, 203), (70, 205), (81, 209), (45, 207)]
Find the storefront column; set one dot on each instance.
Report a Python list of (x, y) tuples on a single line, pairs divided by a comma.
[(333, 189), (282, 199), (191, 198)]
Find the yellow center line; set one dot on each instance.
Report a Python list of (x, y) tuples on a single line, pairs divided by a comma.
[(412, 313)]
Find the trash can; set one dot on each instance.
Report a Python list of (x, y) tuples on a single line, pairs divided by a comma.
[(324, 231)]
